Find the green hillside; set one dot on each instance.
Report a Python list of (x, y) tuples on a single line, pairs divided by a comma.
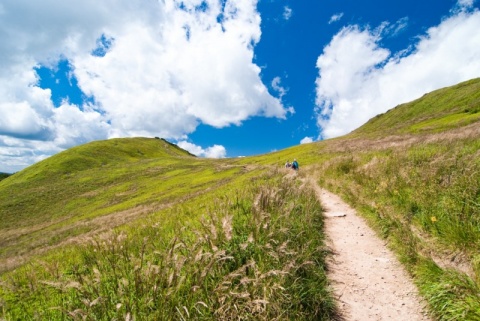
[(441, 110), (61, 196), (138, 228)]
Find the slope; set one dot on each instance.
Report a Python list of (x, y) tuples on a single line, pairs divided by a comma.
[(414, 174), (211, 240), (447, 108), (64, 195)]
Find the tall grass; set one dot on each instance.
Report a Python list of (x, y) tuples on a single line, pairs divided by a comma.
[(257, 254)]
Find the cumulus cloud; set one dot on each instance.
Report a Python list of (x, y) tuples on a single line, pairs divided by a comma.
[(306, 140), (74, 126), (359, 79), (215, 151), (151, 68)]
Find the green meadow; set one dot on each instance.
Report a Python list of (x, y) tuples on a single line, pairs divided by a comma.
[(139, 229)]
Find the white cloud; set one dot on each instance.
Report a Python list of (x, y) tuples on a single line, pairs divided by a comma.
[(358, 79), (391, 30), (215, 151), (25, 109), (74, 127), (306, 140), (276, 85), (191, 148), (167, 69), (464, 4), (287, 12), (16, 154), (335, 18)]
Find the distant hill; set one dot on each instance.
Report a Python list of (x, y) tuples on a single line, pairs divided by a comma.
[(4, 175), (103, 153), (84, 182)]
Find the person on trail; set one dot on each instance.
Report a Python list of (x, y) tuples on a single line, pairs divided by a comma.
[(295, 165), (288, 164)]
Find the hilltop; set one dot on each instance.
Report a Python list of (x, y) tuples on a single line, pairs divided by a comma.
[(412, 172)]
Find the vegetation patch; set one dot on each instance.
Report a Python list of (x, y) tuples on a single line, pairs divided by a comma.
[(447, 122), (255, 254)]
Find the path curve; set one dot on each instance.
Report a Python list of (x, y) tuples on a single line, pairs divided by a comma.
[(367, 279)]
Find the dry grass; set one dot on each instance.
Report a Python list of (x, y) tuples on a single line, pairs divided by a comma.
[(354, 145)]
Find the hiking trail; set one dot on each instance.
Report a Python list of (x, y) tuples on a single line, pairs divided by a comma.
[(368, 282)]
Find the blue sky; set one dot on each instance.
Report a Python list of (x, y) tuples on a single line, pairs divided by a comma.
[(219, 78)]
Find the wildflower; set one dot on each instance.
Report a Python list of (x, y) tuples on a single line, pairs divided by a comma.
[(433, 219)]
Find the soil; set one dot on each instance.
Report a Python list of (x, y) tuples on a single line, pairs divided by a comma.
[(367, 279)]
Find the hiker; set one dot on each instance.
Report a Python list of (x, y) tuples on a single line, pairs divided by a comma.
[(288, 164), (295, 165)]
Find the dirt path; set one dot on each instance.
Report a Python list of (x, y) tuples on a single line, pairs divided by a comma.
[(368, 281)]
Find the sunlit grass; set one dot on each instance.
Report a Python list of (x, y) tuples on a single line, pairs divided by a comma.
[(253, 253), (447, 122), (425, 200)]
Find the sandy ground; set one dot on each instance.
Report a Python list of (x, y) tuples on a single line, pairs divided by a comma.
[(368, 281)]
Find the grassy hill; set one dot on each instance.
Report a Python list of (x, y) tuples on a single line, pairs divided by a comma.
[(441, 110), (140, 228), (65, 195)]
